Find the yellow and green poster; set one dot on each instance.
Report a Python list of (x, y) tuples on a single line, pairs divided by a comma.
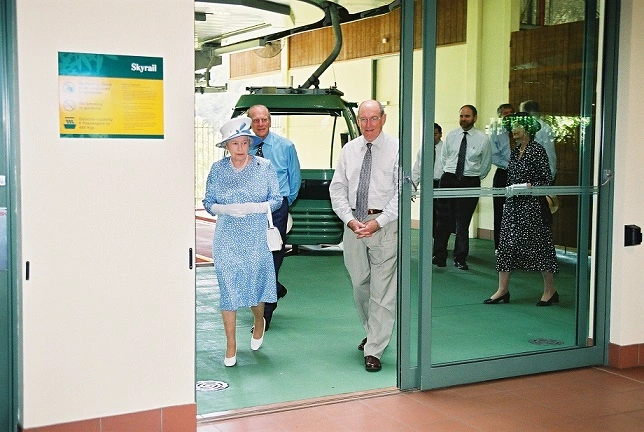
[(110, 96)]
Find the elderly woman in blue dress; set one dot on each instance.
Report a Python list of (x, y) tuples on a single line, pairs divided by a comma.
[(526, 240), (240, 188)]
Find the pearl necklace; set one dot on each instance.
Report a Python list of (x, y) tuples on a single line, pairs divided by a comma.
[(242, 166)]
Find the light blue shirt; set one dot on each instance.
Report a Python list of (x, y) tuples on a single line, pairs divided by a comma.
[(546, 137), (283, 156), (500, 141)]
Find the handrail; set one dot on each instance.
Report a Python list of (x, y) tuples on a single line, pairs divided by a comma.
[(472, 192)]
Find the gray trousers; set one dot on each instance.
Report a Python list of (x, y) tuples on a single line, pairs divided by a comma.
[(372, 266)]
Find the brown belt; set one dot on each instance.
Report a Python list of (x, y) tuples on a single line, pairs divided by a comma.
[(372, 211)]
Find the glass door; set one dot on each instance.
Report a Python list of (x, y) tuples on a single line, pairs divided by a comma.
[(542, 61)]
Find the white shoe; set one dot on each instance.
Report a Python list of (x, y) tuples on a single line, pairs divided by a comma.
[(256, 343), (230, 361)]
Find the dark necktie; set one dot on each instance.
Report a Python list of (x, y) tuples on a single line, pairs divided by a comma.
[(259, 152), (460, 165), (362, 198)]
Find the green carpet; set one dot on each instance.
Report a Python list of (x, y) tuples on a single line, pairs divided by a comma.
[(463, 328), (310, 350)]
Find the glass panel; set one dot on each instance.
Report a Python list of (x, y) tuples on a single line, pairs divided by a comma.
[(542, 65)]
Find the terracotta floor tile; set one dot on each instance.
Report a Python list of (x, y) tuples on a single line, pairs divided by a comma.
[(497, 421), (450, 426), (540, 415), (412, 409), (589, 400)]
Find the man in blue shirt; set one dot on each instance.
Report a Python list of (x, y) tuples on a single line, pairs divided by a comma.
[(545, 136), (282, 154), (501, 145)]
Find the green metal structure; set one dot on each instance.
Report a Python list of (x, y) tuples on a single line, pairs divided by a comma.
[(314, 221)]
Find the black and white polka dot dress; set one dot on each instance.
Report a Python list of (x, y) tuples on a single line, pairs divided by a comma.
[(526, 241)]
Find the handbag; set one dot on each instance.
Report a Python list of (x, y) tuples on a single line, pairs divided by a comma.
[(546, 215), (273, 236)]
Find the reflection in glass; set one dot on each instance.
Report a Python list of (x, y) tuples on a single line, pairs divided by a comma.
[(544, 60)]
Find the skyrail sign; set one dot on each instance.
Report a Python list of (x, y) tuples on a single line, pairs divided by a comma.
[(110, 96)]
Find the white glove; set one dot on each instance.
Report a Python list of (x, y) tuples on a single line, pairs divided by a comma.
[(515, 188), (239, 210), (253, 207)]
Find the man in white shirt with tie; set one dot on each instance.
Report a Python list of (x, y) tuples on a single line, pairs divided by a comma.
[(370, 215), (466, 159)]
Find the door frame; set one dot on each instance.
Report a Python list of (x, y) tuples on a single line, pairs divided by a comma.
[(9, 360)]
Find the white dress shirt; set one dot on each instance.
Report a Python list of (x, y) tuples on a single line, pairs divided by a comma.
[(478, 158), (438, 168), (383, 185)]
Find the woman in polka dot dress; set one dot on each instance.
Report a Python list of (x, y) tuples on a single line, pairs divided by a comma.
[(526, 240), (239, 189)]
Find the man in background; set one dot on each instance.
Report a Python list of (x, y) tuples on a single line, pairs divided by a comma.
[(438, 168), (545, 136), (501, 142), (282, 154), (466, 159)]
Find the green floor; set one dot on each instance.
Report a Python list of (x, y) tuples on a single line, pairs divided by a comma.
[(310, 350)]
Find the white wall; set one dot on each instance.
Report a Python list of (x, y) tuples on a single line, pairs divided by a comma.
[(627, 297), (108, 313)]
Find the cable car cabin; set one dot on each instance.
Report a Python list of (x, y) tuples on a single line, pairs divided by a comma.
[(321, 122)]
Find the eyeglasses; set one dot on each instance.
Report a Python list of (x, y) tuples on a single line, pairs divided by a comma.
[(370, 119)]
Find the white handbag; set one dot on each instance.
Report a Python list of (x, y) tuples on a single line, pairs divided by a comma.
[(273, 236)]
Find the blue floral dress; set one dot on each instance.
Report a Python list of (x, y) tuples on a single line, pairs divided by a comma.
[(243, 262)]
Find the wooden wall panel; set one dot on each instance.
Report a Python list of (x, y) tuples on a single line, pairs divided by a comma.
[(546, 66), (360, 39), (451, 22), (250, 63)]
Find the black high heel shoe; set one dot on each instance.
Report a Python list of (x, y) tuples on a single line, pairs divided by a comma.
[(505, 298), (550, 301)]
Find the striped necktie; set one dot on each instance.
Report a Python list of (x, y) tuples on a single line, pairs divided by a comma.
[(362, 197)]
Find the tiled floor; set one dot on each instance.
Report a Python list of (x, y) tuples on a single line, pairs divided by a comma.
[(588, 399)]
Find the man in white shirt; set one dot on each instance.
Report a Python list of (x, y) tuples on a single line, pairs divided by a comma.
[(364, 195), (501, 142), (438, 168), (466, 159)]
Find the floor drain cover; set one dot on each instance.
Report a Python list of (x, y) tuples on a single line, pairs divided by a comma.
[(546, 342), (211, 385)]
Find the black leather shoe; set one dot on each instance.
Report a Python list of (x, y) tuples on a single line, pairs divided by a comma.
[(372, 364), (461, 265), (361, 344), (505, 298), (439, 262), (269, 308), (550, 301)]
